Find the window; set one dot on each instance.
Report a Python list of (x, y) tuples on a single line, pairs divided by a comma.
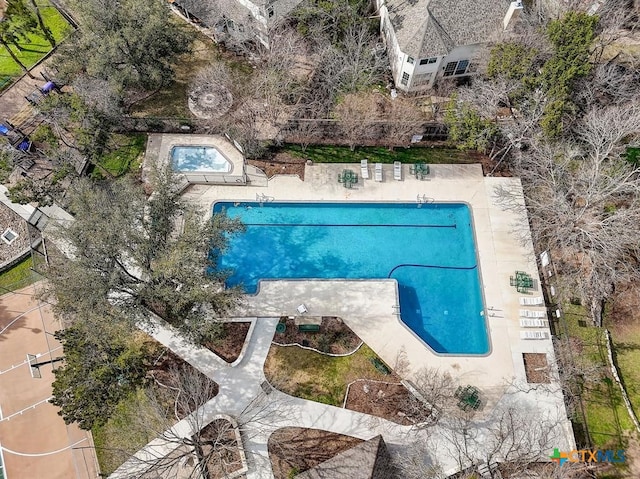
[(405, 78), (450, 68), (462, 67), (428, 61), (456, 68), (9, 236), (270, 11), (410, 60)]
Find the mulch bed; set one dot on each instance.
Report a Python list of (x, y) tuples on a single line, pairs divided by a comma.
[(229, 345), (281, 164), (225, 456), (536, 368), (298, 449), (334, 336), (389, 401)]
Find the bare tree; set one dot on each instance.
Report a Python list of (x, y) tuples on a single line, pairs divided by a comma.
[(584, 204), (403, 119), (359, 116), (191, 437)]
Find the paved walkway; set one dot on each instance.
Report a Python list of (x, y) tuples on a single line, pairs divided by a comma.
[(500, 374)]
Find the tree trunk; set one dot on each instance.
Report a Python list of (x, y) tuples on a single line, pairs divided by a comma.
[(15, 59), (43, 28)]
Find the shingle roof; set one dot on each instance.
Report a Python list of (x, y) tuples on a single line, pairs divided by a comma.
[(367, 460), (434, 27)]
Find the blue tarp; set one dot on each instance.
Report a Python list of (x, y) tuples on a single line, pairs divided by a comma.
[(3, 129), (47, 87)]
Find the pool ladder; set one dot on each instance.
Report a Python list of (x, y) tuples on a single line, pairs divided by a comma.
[(262, 198), (421, 199)]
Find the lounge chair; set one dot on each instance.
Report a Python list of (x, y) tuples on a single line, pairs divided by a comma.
[(534, 335), (531, 301), (302, 309), (533, 323), (527, 313), (378, 172), (364, 169), (397, 170)]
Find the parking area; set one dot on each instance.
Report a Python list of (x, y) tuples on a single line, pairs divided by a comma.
[(34, 440)]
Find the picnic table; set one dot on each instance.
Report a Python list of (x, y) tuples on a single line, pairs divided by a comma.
[(468, 397), (420, 170), (348, 178), (522, 281)]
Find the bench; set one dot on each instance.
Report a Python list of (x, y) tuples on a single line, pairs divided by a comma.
[(380, 366), (308, 328)]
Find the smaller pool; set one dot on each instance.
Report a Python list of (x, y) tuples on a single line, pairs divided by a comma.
[(199, 158)]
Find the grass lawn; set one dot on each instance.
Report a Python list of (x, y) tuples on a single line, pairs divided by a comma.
[(117, 440), (37, 46), (343, 154), (310, 375), (607, 417), (126, 149), (18, 277)]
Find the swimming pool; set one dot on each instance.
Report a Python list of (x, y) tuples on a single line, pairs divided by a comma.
[(430, 251), (199, 158)]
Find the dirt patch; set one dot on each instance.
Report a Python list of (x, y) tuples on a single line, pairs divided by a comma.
[(221, 448), (229, 345), (281, 164), (293, 450), (334, 336), (390, 401), (536, 368)]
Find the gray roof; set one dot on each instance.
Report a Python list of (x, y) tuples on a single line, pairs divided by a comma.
[(367, 460), (427, 28)]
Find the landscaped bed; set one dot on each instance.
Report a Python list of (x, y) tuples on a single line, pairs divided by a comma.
[(293, 450), (536, 367), (229, 345), (390, 401), (375, 154), (334, 336), (224, 454)]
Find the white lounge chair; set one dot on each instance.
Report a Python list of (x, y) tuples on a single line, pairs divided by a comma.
[(533, 323), (531, 301), (378, 172), (302, 309), (397, 170), (534, 335), (364, 169), (527, 313)]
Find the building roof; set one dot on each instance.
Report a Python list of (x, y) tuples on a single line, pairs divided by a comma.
[(427, 28), (367, 460)]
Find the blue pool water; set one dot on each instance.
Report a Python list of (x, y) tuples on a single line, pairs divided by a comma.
[(199, 158), (430, 251)]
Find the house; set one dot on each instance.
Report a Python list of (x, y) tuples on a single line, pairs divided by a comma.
[(235, 21), (431, 39), (367, 460)]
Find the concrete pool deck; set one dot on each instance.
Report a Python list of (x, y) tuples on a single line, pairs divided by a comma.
[(369, 306)]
